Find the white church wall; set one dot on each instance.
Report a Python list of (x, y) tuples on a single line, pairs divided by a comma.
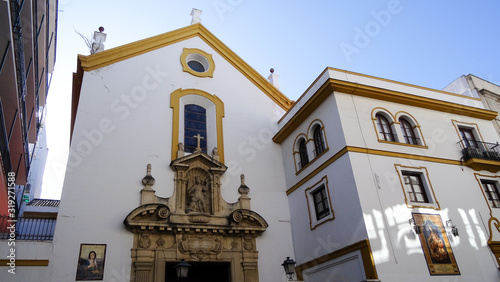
[(124, 122)]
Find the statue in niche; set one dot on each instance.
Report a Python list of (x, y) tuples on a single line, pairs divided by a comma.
[(197, 194)]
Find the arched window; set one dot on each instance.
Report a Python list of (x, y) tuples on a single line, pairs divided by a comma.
[(195, 128), (385, 129), (304, 159), (408, 133), (319, 143)]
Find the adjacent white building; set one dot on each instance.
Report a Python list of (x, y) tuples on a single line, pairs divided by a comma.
[(181, 151), (381, 174)]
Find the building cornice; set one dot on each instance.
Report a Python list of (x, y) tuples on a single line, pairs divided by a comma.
[(332, 85), (114, 55)]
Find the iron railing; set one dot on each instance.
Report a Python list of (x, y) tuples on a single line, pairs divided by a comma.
[(27, 228), (479, 150)]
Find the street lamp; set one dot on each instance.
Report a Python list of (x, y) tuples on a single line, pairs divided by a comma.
[(289, 266), (182, 269)]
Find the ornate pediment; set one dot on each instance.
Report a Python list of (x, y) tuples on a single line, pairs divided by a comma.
[(197, 204), (198, 159)]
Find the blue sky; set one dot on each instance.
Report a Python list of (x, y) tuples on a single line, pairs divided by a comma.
[(426, 43)]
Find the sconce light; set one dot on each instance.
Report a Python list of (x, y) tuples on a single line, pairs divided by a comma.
[(416, 227), (182, 269), (289, 266), (454, 229)]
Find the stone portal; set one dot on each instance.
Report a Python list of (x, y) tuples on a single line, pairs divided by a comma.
[(195, 224)]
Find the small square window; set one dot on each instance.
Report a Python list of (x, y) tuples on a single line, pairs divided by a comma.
[(319, 203), (417, 187), (491, 190), (414, 187)]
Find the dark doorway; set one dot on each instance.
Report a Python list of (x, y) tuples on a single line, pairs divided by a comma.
[(200, 272)]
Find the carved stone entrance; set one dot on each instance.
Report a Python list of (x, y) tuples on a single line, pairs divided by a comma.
[(201, 271), (195, 224)]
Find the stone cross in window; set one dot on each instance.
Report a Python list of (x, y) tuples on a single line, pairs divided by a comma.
[(199, 137)]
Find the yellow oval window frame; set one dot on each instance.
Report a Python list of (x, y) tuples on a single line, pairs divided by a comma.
[(209, 72)]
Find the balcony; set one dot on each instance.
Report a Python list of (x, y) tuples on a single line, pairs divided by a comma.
[(481, 155), (27, 228)]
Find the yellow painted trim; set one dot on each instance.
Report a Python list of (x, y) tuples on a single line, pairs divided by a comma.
[(353, 88), (309, 133), (482, 164), (403, 155), (372, 152), (317, 170), (308, 138), (479, 177), (494, 246), (457, 124), (307, 194), (219, 114), (403, 144), (366, 256), (408, 203), (296, 151), (398, 115), (114, 55), (26, 262), (186, 68), (495, 249), (392, 120)]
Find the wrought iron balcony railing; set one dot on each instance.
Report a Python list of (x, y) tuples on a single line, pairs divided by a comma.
[(27, 228), (479, 150)]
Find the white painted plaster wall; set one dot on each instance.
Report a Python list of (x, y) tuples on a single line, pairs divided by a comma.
[(102, 186)]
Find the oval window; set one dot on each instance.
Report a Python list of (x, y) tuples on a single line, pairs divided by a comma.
[(197, 62)]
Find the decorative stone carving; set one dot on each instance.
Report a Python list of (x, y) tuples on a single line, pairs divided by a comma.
[(234, 245), (199, 246), (180, 150), (163, 212), (144, 241), (243, 190), (148, 180), (160, 242), (195, 222), (215, 154), (248, 243), (198, 196)]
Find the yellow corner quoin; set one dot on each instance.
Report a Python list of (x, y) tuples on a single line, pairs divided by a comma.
[(211, 64), (114, 55)]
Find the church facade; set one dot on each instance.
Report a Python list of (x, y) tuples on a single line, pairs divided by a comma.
[(180, 151)]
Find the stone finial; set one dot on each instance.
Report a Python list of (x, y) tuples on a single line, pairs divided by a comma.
[(180, 150), (148, 180), (215, 154), (273, 78), (243, 190), (196, 14), (98, 41)]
